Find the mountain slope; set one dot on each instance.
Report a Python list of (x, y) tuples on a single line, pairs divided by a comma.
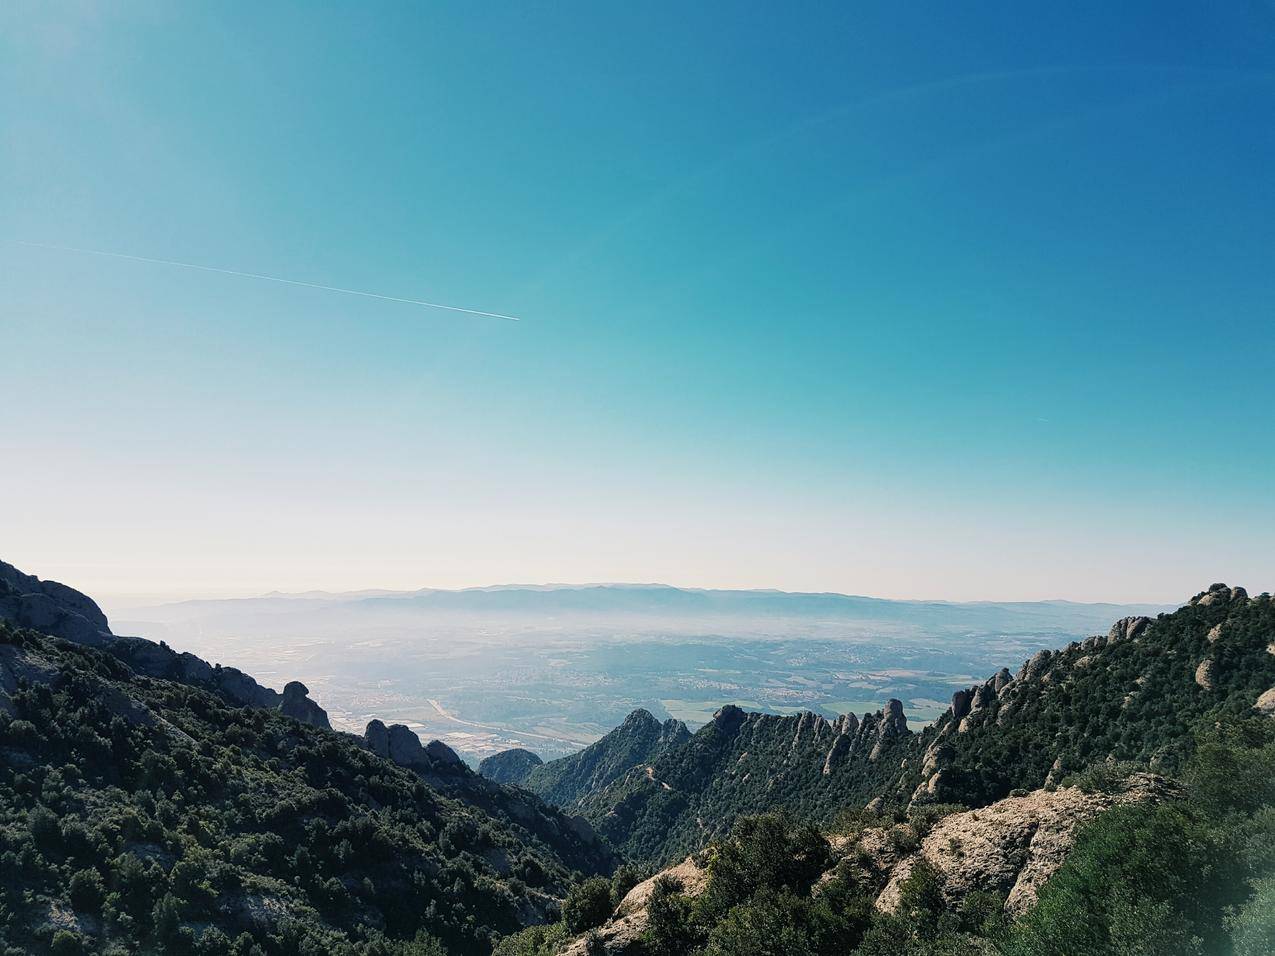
[(510, 766), (1132, 695), (155, 814), (636, 742), (149, 799), (61, 611)]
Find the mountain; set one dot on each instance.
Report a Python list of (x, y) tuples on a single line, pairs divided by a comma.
[(635, 743), (152, 802), (1134, 694), (509, 766), (1119, 798), (61, 611), (608, 602)]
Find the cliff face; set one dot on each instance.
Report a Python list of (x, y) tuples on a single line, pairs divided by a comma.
[(51, 608)]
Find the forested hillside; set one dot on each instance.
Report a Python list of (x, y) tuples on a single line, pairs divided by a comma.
[(1131, 865), (565, 781), (149, 815)]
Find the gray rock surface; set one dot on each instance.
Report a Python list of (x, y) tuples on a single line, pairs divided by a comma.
[(51, 608), (1014, 845)]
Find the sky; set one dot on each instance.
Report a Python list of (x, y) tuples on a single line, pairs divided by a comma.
[(963, 301)]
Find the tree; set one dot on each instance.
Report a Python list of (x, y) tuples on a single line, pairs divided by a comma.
[(86, 890), (587, 905)]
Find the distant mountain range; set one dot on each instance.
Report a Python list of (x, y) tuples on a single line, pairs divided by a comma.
[(659, 601)]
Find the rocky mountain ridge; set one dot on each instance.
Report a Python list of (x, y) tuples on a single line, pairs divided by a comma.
[(640, 739), (1131, 694), (54, 608)]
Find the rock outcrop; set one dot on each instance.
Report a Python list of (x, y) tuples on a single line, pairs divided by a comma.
[(399, 744), (159, 660), (1014, 845), (622, 933), (1266, 703), (296, 703), (1219, 594), (51, 608)]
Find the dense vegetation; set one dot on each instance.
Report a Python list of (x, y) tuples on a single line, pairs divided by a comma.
[(1190, 877), (1131, 699), (143, 815), (636, 742)]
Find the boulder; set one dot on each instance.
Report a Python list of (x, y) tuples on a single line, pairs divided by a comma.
[(1266, 703), (1204, 674), (441, 754), (405, 748), (1128, 628), (377, 738), (296, 703)]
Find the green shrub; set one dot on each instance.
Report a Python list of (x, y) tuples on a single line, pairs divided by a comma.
[(86, 890), (587, 905)]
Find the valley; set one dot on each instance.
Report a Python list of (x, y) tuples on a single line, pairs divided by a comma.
[(553, 670)]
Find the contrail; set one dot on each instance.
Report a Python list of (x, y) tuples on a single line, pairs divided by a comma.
[(258, 275)]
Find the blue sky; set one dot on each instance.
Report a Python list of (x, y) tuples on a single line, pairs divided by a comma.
[(921, 300)]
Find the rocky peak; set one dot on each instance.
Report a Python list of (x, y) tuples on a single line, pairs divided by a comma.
[(377, 738), (888, 724), (729, 718), (1219, 594), (296, 703), (51, 608), (961, 702), (1128, 628), (406, 749), (641, 719), (440, 753)]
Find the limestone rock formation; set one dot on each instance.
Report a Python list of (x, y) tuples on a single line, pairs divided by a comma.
[(51, 608), (622, 932), (1204, 674), (1266, 703), (296, 703), (1219, 594), (441, 754), (1014, 845), (406, 749), (891, 724), (1128, 628), (399, 744), (377, 738)]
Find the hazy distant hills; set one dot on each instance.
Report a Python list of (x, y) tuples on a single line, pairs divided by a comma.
[(612, 601)]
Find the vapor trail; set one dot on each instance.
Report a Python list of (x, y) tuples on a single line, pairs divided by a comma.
[(258, 275)]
